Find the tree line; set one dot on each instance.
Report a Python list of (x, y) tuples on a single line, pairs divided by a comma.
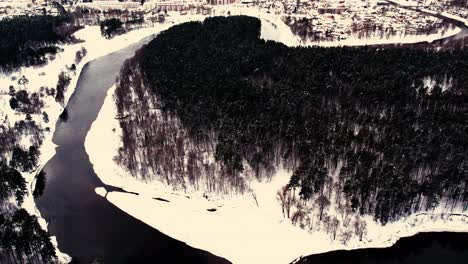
[(26, 40), (113, 26)]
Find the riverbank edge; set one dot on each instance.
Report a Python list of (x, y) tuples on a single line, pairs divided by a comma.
[(48, 147)]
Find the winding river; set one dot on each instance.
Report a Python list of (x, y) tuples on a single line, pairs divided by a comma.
[(424, 248), (86, 225), (89, 228)]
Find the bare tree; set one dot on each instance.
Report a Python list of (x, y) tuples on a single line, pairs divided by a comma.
[(360, 228), (326, 222), (299, 214), (346, 236), (334, 226), (345, 211), (286, 200), (323, 202)]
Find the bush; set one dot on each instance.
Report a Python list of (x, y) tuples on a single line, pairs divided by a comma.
[(111, 27)]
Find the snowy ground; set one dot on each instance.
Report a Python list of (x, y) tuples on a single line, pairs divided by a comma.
[(377, 39), (246, 228)]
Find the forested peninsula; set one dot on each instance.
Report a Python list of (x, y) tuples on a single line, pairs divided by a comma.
[(207, 105)]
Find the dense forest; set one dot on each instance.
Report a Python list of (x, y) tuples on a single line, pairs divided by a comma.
[(22, 240), (380, 132), (27, 39)]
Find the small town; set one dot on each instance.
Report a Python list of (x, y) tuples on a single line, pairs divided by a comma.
[(313, 21)]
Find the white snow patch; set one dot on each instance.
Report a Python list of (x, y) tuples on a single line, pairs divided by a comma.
[(400, 38), (101, 191), (429, 83)]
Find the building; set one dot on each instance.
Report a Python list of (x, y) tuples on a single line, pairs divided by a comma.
[(168, 6), (109, 4), (221, 2), (382, 3), (331, 10)]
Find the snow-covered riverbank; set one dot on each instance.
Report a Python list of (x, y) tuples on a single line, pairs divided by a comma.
[(242, 228), (377, 39), (416, 4), (448, 15), (47, 76), (273, 28)]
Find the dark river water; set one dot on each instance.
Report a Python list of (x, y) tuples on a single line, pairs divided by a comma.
[(424, 248), (457, 41), (87, 226)]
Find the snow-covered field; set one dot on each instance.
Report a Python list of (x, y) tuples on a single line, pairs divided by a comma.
[(246, 228)]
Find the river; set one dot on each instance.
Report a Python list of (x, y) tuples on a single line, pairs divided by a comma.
[(457, 41), (86, 225), (424, 248)]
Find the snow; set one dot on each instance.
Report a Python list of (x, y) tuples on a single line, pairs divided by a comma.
[(430, 82), (400, 38), (449, 15), (239, 229), (101, 191)]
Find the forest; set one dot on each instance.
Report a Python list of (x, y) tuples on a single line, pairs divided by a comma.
[(22, 240), (26, 40), (206, 105)]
